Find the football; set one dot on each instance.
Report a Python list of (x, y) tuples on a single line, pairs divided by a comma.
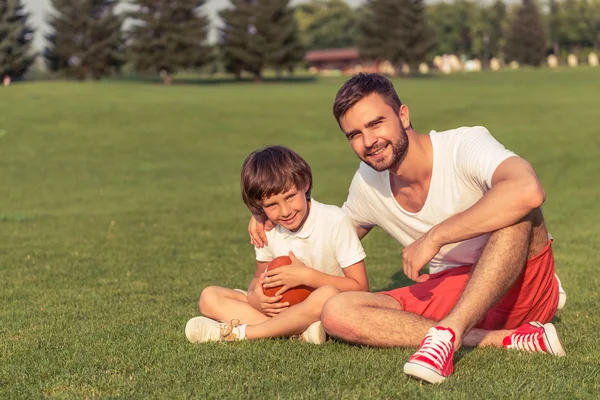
[(294, 295)]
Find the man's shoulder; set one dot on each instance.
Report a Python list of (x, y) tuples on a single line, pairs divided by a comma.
[(460, 132), (369, 176)]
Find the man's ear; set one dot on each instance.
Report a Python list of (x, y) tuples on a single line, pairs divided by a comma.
[(404, 116)]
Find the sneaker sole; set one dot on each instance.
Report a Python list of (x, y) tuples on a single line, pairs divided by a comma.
[(423, 372), (315, 336), (189, 329), (552, 341)]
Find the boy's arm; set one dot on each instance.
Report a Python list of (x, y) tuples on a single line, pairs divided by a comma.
[(297, 273), (269, 306), (354, 279)]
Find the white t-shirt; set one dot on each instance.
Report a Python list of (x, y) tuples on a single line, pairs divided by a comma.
[(326, 242), (464, 161)]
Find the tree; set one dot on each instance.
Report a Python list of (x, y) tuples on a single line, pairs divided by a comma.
[(86, 41), (554, 26), (327, 24), (259, 34), (497, 20), (526, 39), (168, 35), (15, 39), (397, 31)]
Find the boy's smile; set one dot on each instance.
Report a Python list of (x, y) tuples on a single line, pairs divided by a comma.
[(288, 209)]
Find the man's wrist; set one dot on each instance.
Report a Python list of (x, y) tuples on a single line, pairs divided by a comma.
[(436, 237)]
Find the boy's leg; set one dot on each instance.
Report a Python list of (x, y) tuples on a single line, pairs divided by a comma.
[(296, 319), (222, 304)]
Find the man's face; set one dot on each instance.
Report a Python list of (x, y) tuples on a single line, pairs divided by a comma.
[(288, 209), (375, 133)]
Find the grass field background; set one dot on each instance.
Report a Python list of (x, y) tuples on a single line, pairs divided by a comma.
[(120, 201)]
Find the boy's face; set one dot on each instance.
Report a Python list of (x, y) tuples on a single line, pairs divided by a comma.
[(288, 209)]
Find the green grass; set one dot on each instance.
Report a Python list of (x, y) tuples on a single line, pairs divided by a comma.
[(120, 202)]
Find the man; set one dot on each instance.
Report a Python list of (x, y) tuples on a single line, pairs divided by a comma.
[(460, 202)]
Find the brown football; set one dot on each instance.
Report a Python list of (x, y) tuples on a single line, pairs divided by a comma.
[(294, 295)]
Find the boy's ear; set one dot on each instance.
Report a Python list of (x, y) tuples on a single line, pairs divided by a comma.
[(306, 188)]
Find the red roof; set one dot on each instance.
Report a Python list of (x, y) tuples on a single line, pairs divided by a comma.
[(346, 54)]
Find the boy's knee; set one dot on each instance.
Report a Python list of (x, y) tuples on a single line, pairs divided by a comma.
[(324, 293), (208, 297)]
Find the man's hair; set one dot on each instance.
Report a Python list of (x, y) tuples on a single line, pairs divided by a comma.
[(360, 86), (273, 170)]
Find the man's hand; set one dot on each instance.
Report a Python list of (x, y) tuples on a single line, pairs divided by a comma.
[(417, 255), (288, 276), (269, 306), (257, 228)]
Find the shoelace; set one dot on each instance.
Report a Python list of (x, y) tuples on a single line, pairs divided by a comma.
[(526, 341), (227, 330), (435, 348)]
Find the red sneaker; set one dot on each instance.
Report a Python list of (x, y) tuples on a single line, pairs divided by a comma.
[(433, 362), (535, 338)]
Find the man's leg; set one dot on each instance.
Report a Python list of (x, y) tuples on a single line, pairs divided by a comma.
[(499, 266), (501, 262), (373, 319)]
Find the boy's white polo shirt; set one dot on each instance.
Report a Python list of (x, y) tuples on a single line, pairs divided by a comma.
[(326, 242)]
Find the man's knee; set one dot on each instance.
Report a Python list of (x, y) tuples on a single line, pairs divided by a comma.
[(334, 309)]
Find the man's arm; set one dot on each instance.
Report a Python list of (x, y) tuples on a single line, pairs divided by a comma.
[(362, 231), (515, 192)]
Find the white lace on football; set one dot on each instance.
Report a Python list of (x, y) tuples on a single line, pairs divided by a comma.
[(436, 347), (526, 341)]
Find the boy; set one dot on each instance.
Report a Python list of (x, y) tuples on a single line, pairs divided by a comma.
[(320, 239)]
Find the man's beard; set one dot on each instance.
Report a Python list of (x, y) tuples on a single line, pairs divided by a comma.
[(399, 149)]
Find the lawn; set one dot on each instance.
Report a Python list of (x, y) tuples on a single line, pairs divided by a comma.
[(120, 202)]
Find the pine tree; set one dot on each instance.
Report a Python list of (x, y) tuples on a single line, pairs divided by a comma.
[(526, 39), (554, 26), (86, 41), (496, 35), (15, 39), (169, 35), (258, 34), (397, 31)]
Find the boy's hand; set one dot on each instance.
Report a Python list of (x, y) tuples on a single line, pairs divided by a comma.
[(269, 306), (288, 276), (257, 228)]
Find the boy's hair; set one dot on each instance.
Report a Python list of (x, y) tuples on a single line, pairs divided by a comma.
[(360, 86), (272, 170)]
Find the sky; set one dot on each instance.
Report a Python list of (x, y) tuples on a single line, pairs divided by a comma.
[(40, 8)]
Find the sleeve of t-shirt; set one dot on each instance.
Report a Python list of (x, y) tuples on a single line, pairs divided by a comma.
[(348, 249), (477, 155), (356, 205), (264, 254)]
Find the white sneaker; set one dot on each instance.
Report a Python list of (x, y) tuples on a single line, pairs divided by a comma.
[(562, 295), (202, 329), (315, 334)]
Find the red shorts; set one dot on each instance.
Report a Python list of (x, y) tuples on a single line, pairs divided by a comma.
[(533, 297)]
